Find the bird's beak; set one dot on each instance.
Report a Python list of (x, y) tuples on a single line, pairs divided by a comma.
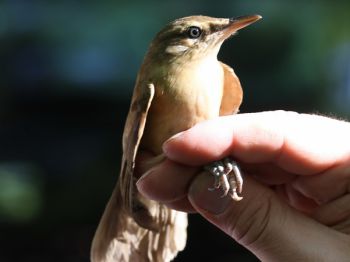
[(238, 23)]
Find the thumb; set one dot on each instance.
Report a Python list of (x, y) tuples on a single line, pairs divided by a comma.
[(262, 223)]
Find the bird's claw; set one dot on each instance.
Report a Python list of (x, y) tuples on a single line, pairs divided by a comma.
[(227, 176)]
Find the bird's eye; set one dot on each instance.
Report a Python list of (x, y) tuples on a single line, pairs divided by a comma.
[(194, 32)]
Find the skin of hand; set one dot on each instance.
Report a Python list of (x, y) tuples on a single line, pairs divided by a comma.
[(296, 201)]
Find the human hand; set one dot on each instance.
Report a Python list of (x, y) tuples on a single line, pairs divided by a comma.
[(296, 201)]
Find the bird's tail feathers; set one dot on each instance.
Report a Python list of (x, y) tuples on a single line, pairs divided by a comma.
[(120, 238)]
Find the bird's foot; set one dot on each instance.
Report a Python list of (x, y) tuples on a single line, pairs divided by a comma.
[(227, 176)]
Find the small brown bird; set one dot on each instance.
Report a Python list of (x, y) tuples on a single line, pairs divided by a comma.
[(180, 83)]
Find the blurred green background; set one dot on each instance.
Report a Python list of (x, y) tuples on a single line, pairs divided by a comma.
[(67, 74)]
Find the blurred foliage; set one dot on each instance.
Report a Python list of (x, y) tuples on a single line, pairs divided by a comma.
[(20, 193), (67, 73)]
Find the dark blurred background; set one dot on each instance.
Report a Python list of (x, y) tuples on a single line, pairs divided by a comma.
[(67, 74)]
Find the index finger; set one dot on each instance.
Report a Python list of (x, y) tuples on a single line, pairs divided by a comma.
[(298, 143)]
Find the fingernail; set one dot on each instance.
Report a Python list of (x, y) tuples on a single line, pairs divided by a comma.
[(142, 185), (201, 197), (166, 143), (175, 136)]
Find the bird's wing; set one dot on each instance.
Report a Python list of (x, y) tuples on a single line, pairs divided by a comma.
[(127, 231), (232, 92), (133, 131), (116, 222)]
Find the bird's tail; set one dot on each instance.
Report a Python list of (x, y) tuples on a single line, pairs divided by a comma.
[(119, 238)]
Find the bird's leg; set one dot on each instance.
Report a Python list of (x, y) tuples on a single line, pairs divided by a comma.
[(216, 169), (227, 176)]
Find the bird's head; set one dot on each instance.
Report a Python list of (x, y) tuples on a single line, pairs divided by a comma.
[(196, 36)]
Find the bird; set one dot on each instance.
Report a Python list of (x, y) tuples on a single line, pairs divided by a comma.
[(180, 83)]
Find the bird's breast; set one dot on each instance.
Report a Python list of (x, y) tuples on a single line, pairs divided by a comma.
[(189, 94)]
